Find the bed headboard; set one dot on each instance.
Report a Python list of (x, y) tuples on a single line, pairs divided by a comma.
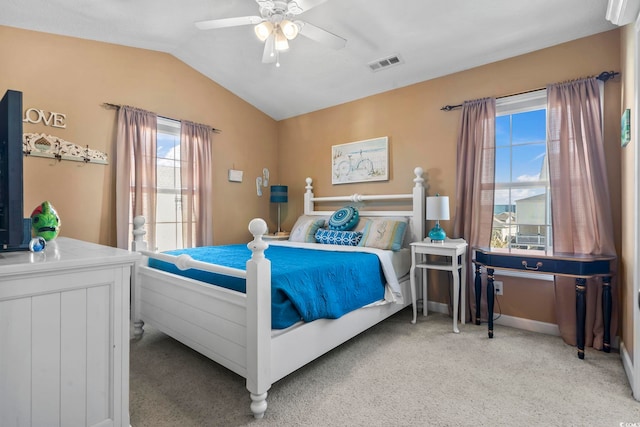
[(416, 199)]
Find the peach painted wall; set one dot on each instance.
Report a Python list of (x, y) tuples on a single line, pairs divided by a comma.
[(628, 187), (75, 77), (422, 135)]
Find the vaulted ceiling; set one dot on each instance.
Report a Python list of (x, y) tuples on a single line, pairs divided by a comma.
[(430, 38)]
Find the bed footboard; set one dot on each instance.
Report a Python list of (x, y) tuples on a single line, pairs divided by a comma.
[(229, 327)]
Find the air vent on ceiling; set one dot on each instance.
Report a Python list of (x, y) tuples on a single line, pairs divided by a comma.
[(382, 64)]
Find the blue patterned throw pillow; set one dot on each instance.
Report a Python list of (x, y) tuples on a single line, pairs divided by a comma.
[(344, 219), (338, 237)]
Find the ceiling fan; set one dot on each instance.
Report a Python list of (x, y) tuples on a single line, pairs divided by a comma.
[(276, 25)]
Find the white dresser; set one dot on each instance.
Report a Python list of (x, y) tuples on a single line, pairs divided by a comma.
[(64, 335)]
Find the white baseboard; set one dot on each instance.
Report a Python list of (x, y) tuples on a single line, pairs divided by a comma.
[(516, 322), (513, 322), (544, 328), (627, 363), (528, 325)]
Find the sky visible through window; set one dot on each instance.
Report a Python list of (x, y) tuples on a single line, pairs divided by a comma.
[(168, 146), (520, 153)]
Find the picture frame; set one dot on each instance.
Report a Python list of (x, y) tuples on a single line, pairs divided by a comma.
[(625, 128), (360, 161)]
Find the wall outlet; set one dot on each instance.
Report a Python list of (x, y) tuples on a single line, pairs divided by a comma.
[(497, 287)]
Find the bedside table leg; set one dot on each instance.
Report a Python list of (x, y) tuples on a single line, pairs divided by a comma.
[(490, 300), (412, 281), (456, 300), (478, 286), (425, 292)]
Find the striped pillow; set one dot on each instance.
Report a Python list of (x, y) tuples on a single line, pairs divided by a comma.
[(383, 234), (305, 229)]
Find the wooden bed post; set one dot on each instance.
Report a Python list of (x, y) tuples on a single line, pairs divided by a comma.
[(308, 197), (258, 319), (419, 206), (138, 244)]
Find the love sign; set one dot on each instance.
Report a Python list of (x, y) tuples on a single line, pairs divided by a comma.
[(56, 120)]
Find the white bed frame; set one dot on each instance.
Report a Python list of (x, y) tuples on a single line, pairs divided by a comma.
[(234, 329)]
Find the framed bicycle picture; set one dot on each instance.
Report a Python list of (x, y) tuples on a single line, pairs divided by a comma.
[(360, 161)]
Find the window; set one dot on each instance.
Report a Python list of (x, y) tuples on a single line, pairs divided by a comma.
[(168, 194), (522, 204), (168, 179)]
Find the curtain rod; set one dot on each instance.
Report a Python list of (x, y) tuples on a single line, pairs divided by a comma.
[(118, 106), (604, 76)]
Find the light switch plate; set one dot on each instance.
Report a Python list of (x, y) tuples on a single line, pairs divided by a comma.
[(235, 175)]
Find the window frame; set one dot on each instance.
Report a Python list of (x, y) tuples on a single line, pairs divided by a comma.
[(516, 104), (173, 128)]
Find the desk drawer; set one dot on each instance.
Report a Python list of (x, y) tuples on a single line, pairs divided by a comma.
[(548, 265), (524, 263)]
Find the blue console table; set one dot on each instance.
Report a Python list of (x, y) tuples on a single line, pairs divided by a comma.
[(581, 267)]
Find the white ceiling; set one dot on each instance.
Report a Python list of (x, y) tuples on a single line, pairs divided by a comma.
[(433, 38)]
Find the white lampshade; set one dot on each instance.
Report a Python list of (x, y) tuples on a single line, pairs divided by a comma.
[(281, 41), (438, 207), (263, 30), (289, 29)]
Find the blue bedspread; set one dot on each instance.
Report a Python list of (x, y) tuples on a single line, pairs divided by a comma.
[(306, 284)]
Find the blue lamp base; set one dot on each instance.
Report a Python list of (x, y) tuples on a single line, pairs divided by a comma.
[(437, 234)]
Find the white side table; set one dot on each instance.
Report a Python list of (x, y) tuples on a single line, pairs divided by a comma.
[(449, 253)]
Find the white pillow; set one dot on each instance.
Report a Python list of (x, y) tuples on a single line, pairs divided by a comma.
[(305, 229)]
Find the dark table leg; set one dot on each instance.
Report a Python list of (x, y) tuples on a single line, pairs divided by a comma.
[(490, 300), (581, 308), (478, 287), (606, 312)]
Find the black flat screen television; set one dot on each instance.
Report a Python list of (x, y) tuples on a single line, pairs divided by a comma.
[(15, 230)]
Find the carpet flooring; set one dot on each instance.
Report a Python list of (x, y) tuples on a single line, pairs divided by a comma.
[(394, 374)]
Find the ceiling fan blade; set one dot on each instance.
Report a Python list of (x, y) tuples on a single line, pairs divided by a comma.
[(305, 5), (269, 53), (228, 22), (320, 35)]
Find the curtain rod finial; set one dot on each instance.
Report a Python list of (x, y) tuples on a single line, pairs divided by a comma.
[(451, 107), (606, 75)]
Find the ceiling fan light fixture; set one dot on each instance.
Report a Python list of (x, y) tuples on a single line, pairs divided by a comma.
[(289, 29), (263, 30), (277, 24), (281, 41)]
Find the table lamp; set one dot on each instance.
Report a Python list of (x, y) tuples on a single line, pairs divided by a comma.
[(279, 196), (437, 209)]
